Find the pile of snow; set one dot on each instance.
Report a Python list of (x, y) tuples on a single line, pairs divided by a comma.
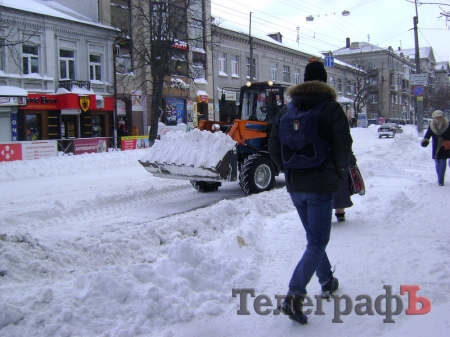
[(194, 148), (77, 259)]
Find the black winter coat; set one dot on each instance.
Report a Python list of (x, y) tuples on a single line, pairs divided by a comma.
[(442, 153), (326, 178)]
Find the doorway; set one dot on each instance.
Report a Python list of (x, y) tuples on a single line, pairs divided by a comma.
[(69, 126)]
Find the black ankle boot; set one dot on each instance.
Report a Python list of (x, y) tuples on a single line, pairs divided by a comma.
[(340, 217)]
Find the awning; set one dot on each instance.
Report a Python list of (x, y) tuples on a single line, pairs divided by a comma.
[(13, 96), (10, 91)]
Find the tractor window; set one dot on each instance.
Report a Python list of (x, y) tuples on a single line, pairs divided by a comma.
[(254, 105)]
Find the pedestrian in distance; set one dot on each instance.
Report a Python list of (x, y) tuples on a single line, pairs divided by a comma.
[(439, 131), (312, 190), (342, 198)]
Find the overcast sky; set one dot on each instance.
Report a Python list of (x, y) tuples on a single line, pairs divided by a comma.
[(380, 22)]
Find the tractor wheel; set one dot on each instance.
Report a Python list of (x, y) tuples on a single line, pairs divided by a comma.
[(205, 186), (257, 174)]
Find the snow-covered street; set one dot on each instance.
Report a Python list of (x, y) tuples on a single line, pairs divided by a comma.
[(94, 245)]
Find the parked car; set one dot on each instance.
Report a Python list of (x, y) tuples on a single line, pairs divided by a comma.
[(426, 122), (398, 121), (389, 130)]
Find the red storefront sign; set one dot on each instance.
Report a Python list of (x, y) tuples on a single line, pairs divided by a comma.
[(64, 101), (10, 152)]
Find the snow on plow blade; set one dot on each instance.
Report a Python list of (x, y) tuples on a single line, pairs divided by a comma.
[(195, 155)]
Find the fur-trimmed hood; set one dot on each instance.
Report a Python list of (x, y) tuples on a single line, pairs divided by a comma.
[(312, 87)]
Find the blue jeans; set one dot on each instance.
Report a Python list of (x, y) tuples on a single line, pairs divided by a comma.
[(315, 211), (441, 165)]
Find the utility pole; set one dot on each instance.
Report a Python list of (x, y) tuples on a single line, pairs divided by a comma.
[(419, 99), (250, 39)]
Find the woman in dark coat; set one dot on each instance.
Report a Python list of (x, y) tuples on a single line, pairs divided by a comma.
[(439, 131), (342, 198)]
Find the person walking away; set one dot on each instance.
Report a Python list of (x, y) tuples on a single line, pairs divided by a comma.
[(312, 190), (439, 131), (342, 198)]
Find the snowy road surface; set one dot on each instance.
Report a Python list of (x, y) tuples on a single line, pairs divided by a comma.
[(93, 245)]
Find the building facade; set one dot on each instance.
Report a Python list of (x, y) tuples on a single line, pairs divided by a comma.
[(273, 60), (62, 62), (391, 94), (188, 80)]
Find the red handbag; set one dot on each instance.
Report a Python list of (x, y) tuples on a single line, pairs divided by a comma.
[(355, 180), (446, 144)]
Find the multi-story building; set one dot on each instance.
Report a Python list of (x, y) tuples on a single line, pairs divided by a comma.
[(442, 73), (427, 66), (388, 75), (56, 74), (274, 60), (187, 83)]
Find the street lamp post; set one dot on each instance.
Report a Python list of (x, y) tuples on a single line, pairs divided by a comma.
[(419, 99), (250, 39)]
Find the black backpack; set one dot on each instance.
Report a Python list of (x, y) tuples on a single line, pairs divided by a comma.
[(302, 145)]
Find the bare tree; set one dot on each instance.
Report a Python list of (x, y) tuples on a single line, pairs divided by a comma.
[(441, 98), (443, 12), (12, 39), (159, 37), (358, 76)]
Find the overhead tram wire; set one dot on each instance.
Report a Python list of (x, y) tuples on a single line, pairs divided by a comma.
[(292, 40), (429, 44), (322, 13), (272, 16), (269, 24)]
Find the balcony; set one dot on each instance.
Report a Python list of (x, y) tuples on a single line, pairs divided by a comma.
[(405, 91), (73, 84), (394, 89)]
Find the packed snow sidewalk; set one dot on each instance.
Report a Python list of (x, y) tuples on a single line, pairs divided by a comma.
[(174, 276)]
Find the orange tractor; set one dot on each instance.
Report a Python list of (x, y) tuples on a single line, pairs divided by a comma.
[(248, 124)]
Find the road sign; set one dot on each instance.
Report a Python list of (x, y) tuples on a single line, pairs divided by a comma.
[(418, 79), (329, 61), (418, 90)]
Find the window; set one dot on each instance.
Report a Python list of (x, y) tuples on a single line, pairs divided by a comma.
[(373, 81), (1, 54), (98, 122), (223, 63), (374, 115), (34, 127), (197, 34), (235, 66), (95, 67), (66, 64), (286, 74), (372, 65), (198, 65), (30, 59), (123, 56), (349, 88), (248, 67), (296, 76), (374, 98), (339, 85), (273, 71)]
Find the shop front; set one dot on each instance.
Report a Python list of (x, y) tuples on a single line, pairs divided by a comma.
[(65, 116), (11, 98)]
